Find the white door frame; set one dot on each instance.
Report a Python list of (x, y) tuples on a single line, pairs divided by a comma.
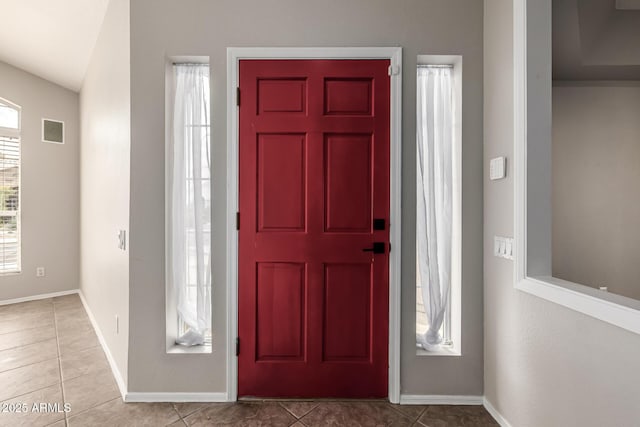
[(394, 54)]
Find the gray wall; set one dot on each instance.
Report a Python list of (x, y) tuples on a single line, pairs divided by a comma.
[(545, 365), (161, 28), (596, 174), (50, 187), (105, 123)]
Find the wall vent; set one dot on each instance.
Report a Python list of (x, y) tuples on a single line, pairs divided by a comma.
[(52, 131)]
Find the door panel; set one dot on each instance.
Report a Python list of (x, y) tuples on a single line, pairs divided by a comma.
[(347, 312), (348, 182), (280, 334), (314, 174), (281, 182)]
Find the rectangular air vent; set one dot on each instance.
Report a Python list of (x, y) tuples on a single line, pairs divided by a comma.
[(52, 131)]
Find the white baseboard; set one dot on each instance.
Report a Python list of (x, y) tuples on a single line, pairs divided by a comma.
[(436, 399), (175, 397), (37, 297), (495, 414), (122, 386)]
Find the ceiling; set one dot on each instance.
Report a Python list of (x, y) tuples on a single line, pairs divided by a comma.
[(596, 39), (52, 39)]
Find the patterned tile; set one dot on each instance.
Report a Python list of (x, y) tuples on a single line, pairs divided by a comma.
[(117, 413), (91, 390), (73, 315), (355, 414), (13, 311), (188, 408), (65, 301), (245, 414), (299, 409), (81, 340), (26, 321), (35, 415), (28, 354), (90, 361), (451, 415), (413, 412), (26, 379), (26, 337)]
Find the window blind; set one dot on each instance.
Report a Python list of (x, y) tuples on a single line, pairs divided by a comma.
[(9, 204)]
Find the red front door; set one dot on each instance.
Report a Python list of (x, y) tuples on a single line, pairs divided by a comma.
[(314, 198)]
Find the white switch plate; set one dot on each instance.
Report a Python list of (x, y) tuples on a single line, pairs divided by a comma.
[(503, 247), (497, 169)]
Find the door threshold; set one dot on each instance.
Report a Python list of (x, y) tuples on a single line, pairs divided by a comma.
[(303, 399)]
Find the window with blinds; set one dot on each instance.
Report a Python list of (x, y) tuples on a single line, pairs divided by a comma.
[(9, 188)]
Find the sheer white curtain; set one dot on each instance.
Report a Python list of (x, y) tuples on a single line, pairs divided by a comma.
[(190, 248), (434, 197)]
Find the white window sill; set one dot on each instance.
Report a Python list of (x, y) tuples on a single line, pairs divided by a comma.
[(11, 273), (443, 351), (196, 349)]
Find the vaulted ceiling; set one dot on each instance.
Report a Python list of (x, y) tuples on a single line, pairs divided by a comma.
[(596, 39), (52, 39)]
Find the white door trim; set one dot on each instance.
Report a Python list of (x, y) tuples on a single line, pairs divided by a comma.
[(394, 54)]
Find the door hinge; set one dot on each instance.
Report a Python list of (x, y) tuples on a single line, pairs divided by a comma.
[(238, 346), (237, 220), (393, 70), (238, 96)]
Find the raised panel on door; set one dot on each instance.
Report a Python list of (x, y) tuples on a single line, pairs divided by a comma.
[(348, 96), (348, 182), (282, 95), (347, 312), (280, 311), (281, 182)]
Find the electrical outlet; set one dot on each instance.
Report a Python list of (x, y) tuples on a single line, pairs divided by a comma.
[(40, 272)]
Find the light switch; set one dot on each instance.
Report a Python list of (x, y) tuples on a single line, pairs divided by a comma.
[(122, 239), (503, 247), (497, 168)]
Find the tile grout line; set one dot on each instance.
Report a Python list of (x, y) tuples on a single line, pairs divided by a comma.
[(55, 325), (92, 407), (301, 416), (392, 406), (29, 392), (173, 405), (28, 364), (25, 345)]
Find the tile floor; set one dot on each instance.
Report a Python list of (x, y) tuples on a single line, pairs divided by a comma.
[(49, 353)]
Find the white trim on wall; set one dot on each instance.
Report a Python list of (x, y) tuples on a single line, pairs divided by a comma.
[(495, 414), (122, 385), (175, 397), (437, 399), (614, 309), (38, 297), (394, 54)]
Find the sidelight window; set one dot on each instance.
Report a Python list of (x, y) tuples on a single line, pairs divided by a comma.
[(189, 203), (438, 207)]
